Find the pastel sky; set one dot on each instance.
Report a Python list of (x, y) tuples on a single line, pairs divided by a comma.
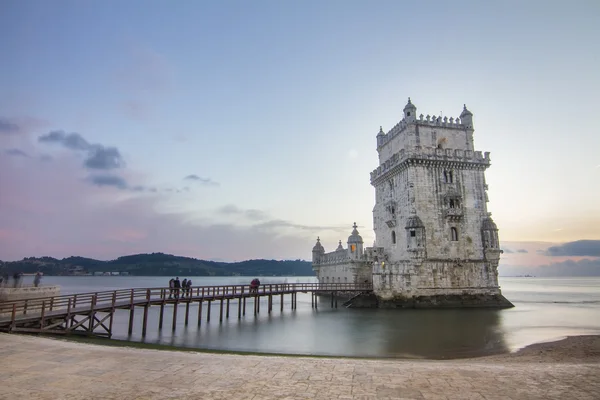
[(234, 130)]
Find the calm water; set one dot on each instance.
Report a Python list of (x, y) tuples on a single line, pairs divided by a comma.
[(546, 309)]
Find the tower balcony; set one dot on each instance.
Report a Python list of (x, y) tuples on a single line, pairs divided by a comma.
[(453, 213)]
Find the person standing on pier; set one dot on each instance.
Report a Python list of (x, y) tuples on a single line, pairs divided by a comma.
[(183, 287), (37, 279), (177, 286), (171, 287), (189, 288)]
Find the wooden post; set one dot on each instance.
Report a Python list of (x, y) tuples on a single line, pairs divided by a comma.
[(208, 311), (13, 322), (187, 311), (51, 304), (221, 311), (43, 315), (131, 311), (175, 306), (145, 320), (68, 317), (244, 307), (255, 305), (270, 306), (331, 299), (336, 301), (112, 312), (227, 310), (92, 313), (160, 317), (257, 298), (239, 308), (25, 308), (312, 300), (281, 305), (200, 312)]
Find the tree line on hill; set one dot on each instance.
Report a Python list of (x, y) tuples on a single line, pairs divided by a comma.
[(157, 264)]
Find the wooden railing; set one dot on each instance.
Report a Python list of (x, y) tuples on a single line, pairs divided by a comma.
[(123, 297)]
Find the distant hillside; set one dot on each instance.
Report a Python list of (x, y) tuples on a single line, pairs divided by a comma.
[(157, 264)]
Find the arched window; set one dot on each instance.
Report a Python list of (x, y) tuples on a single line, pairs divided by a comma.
[(453, 234), (393, 237)]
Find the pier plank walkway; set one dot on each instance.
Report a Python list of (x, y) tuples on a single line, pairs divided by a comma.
[(93, 313)]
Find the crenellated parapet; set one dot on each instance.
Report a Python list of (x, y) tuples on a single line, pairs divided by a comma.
[(335, 257), (429, 156), (431, 121)]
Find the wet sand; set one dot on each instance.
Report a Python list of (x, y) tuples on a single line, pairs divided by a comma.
[(40, 368)]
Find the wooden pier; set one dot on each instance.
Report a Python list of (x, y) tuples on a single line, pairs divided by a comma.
[(92, 314)]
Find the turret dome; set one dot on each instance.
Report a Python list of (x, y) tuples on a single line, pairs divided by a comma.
[(409, 106), (488, 224), (414, 222), (318, 247), (355, 237), (465, 112)]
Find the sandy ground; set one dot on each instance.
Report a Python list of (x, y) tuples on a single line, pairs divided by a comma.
[(573, 349), (39, 368)]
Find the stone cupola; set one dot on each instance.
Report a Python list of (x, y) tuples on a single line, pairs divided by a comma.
[(466, 117), (410, 112), (318, 251), (355, 244)]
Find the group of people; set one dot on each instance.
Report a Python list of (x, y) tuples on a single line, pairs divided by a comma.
[(17, 278), (177, 287), (254, 284)]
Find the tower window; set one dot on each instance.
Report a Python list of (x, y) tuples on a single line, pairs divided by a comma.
[(408, 114), (393, 237), (413, 233), (448, 178), (453, 234)]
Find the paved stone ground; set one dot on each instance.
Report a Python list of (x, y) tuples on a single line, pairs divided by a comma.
[(37, 368)]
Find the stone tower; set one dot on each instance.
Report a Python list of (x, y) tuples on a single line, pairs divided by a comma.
[(436, 243)]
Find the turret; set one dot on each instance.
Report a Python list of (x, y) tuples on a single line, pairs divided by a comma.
[(415, 236), (410, 112), (355, 244), (318, 251), (466, 117), (380, 137)]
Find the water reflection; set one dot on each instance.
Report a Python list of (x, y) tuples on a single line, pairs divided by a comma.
[(545, 309)]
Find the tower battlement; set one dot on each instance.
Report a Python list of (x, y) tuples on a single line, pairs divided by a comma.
[(431, 156)]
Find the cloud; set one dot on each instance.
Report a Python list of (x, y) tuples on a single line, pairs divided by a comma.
[(118, 182), (16, 153), (590, 248), (200, 180), (104, 158), (73, 141), (96, 223), (7, 127), (98, 156), (352, 154), (522, 251), (109, 180), (251, 214)]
